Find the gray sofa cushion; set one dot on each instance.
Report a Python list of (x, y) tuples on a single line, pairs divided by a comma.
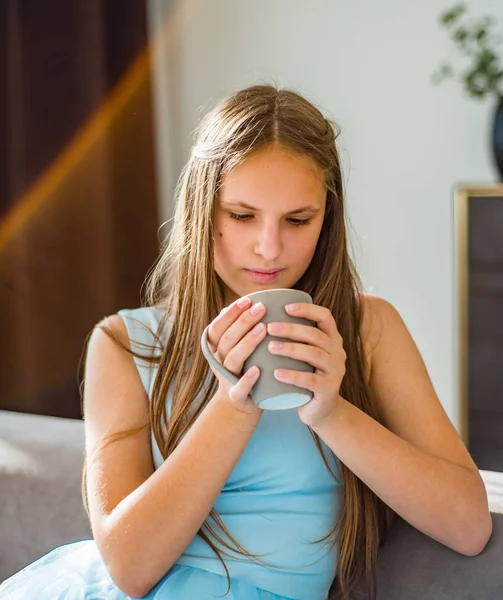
[(41, 461), (40, 508), (412, 566)]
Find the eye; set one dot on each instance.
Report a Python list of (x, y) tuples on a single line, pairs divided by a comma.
[(292, 221), (299, 222), (237, 217)]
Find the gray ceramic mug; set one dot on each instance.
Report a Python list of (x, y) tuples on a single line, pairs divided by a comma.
[(268, 392)]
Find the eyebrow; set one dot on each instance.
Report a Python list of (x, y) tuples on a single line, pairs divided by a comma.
[(303, 209)]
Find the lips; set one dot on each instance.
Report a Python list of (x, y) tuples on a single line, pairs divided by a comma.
[(265, 271), (264, 276)]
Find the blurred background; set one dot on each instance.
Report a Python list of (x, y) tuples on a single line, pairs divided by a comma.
[(98, 102)]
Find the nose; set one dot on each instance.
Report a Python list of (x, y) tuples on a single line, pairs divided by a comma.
[(269, 244)]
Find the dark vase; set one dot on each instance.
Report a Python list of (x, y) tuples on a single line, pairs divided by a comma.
[(498, 137)]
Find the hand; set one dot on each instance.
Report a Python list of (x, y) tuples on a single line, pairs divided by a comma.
[(232, 337), (322, 348)]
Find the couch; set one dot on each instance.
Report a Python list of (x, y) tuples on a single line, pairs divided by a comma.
[(40, 508)]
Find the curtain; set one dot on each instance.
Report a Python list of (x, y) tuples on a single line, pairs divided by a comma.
[(78, 196)]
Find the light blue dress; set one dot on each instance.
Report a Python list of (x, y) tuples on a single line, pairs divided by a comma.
[(278, 500)]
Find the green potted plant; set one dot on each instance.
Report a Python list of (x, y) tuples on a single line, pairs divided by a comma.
[(483, 75)]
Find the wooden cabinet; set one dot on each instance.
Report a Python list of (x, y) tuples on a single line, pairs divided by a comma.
[(479, 277)]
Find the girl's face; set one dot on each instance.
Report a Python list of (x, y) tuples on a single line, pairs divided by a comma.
[(268, 217)]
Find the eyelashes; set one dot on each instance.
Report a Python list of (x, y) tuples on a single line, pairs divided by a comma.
[(247, 217)]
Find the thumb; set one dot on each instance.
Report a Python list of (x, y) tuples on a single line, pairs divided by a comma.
[(241, 390)]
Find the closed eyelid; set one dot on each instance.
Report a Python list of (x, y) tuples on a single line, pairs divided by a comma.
[(245, 217), (308, 210), (305, 215)]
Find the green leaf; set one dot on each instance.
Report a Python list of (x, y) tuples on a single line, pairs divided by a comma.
[(477, 93), (477, 81), (480, 45), (460, 34), (450, 16), (486, 61), (481, 34)]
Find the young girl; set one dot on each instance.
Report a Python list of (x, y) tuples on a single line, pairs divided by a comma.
[(192, 491)]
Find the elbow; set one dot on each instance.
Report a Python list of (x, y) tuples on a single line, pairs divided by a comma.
[(133, 576), (475, 542), (136, 578), (130, 582), (124, 559)]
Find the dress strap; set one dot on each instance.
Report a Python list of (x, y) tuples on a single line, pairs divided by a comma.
[(142, 325)]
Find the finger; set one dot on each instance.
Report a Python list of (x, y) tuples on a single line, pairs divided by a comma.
[(301, 333), (309, 381), (237, 355), (319, 314), (226, 317), (316, 357), (240, 327), (241, 390)]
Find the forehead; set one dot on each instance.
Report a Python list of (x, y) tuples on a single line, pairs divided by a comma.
[(274, 174)]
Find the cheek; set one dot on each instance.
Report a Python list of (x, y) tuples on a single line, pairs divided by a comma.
[(222, 248), (221, 240), (304, 245), (226, 238)]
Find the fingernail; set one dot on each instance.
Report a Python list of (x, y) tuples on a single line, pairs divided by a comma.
[(275, 345), (252, 371), (274, 327), (292, 307), (257, 308), (259, 327), (244, 302)]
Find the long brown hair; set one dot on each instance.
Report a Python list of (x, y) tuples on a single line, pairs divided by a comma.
[(183, 282)]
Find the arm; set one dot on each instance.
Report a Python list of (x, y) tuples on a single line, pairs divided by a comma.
[(137, 512), (416, 464)]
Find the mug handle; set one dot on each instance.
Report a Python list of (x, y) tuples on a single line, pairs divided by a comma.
[(213, 361)]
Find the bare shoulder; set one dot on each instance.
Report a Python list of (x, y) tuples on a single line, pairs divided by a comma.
[(101, 338), (113, 391), (376, 315), (384, 334), (376, 312)]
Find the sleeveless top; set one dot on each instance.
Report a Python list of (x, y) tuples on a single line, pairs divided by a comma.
[(277, 501)]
